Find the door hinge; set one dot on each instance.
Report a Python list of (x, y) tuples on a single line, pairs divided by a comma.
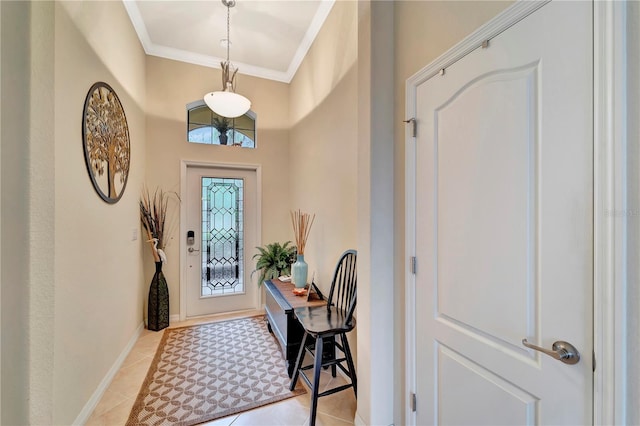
[(594, 362), (414, 126), (413, 402), (413, 264)]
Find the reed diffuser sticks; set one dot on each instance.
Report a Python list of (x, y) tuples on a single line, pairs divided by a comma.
[(302, 223)]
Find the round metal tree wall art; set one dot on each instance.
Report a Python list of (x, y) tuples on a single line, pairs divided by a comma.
[(105, 136)]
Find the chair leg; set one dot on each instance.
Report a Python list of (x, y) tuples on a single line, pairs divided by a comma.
[(352, 370), (296, 369), (333, 353), (316, 381)]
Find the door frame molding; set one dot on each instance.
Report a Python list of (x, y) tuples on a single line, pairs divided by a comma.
[(184, 165), (610, 189), (609, 250)]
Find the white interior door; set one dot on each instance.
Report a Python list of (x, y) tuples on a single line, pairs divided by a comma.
[(222, 215), (504, 245)]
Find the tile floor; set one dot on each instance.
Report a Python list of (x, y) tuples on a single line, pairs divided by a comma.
[(114, 407)]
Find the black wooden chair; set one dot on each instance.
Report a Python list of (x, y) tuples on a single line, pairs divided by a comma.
[(322, 325)]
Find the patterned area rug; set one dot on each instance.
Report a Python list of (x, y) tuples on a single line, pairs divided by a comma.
[(208, 371)]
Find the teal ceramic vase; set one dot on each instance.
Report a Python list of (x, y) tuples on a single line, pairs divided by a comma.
[(299, 271)]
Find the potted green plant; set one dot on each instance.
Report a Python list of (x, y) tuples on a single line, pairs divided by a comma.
[(274, 260), (222, 125)]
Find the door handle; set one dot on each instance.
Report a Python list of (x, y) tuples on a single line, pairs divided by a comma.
[(560, 350), (191, 250)]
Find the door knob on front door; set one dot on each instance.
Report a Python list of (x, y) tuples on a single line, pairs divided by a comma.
[(191, 250), (560, 350)]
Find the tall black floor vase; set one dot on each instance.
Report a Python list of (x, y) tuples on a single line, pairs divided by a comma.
[(158, 307)]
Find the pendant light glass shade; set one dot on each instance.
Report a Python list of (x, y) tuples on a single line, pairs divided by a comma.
[(226, 102)]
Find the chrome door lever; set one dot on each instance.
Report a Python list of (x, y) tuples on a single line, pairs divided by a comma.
[(191, 250), (560, 350)]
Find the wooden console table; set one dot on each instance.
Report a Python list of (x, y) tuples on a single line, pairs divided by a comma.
[(280, 303)]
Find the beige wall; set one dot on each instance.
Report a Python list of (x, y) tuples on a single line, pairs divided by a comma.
[(99, 286), (14, 61), (27, 221), (41, 221), (323, 141), (423, 31), (375, 212), (71, 277), (170, 86), (323, 144), (1, 330), (633, 214)]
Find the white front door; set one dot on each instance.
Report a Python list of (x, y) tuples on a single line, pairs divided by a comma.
[(222, 222), (504, 230)]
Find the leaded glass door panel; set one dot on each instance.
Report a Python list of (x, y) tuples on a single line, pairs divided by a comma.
[(222, 236), (221, 210)]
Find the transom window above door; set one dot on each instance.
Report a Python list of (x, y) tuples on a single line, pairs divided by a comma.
[(206, 127)]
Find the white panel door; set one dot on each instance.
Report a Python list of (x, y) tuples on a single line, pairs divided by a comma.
[(504, 227), (222, 215)]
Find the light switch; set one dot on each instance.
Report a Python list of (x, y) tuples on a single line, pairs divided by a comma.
[(134, 234)]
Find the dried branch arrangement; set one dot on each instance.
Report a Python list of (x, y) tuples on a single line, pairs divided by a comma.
[(301, 226), (153, 215)]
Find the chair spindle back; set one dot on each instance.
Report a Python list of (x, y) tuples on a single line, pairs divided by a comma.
[(343, 286)]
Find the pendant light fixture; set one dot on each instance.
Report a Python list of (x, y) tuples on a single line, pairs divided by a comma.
[(227, 103)]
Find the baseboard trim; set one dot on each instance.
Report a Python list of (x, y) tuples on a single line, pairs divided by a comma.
[(91, 404), (357, 421), (172, 318)]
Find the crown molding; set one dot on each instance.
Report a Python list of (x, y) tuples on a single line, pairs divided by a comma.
[(181, 55)]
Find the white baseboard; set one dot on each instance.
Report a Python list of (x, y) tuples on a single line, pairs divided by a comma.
[(357, 421), (172, 318), (88, 408)]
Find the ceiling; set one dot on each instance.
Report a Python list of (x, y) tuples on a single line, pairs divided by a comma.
[(269, 38)]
